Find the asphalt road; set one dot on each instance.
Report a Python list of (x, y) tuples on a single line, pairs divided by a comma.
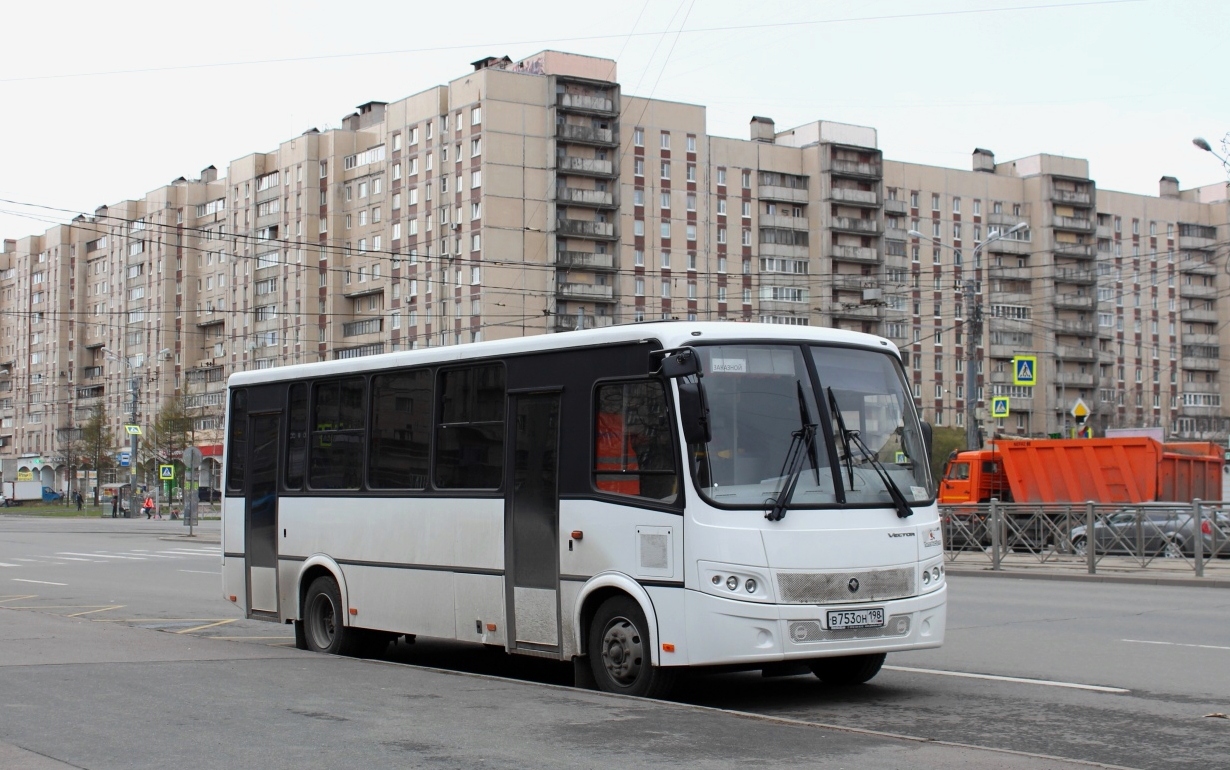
[(1118, 674)]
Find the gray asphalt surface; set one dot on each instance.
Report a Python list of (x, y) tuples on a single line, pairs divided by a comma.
[(107, 671)]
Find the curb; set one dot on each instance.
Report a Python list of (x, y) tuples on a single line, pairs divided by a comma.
[(1192, 582)]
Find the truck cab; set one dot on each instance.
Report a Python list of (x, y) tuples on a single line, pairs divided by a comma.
[(974, 477)]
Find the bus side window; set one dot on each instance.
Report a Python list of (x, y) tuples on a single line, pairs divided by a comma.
[(336, 460), (634, 453), (469, 450), (237, 453), (296, 435)]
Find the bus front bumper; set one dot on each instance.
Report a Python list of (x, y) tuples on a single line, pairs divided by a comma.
[(724, 631)]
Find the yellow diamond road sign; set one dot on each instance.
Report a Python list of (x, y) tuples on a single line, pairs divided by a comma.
[(1080, 409), (1025, 370), (999, 406)]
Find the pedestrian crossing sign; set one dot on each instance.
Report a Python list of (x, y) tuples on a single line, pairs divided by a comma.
[(132, 430), (1025, 370), (166, 472), (999, 406)]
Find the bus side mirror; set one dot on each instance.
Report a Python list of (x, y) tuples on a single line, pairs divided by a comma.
[(694, 413), (680, 362)]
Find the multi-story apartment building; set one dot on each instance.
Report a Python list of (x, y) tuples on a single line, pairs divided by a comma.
[(534, 197)]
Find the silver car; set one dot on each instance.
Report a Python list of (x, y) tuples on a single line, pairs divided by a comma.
[(1166, 532)]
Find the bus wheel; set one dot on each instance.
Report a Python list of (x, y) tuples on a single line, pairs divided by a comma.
[(848, 669), (620, 651), (323, 626)]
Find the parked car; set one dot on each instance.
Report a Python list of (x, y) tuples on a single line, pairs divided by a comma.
[(1167, 533), (208, 495)]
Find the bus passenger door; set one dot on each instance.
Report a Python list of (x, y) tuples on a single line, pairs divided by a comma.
[(531, 524), (261, 512)]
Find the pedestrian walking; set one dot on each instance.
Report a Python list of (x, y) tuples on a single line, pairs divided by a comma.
[(115, 504), (148, 507), (80, 501)]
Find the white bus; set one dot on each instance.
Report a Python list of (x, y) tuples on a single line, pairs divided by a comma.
[(635, 499)]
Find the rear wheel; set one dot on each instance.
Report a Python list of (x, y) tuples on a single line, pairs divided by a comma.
[(1079, 546), (848, 669), (621, 650), (323, 627), (1174, 548)]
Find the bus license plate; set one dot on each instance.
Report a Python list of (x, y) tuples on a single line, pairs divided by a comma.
[(866, 618)]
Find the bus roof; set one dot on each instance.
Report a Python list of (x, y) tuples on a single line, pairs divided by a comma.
[(670, 334)]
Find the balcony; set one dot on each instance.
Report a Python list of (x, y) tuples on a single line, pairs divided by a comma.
[(852, 225), (572, 164), (597, 105), (1077, 250), (581, 228), (570, 323), (1070, 196), (856, 254), (1075, 275), (1077, 379), (855, 282), (861, 312), (768, 192), (1079, 328), (1197, 291), (92, 372), (855, 197), (783, 250), (1009, 246), (1201, 339), (567, 132), (1005, 220), (900, 208), (872, 170), (575, 196), (1198, 316), (1012, 273), (1074, 302), (585, 291), (1196, 242), (1075, 353), (366, 326), (1073, 224), (1201, 364), (587, 260), (1197, 263), (789, 223)]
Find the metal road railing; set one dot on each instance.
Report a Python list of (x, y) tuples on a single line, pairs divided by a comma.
[(1134, 536)]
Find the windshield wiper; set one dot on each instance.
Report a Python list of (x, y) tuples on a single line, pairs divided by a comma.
[(802, 446), (847, 455), (851, 436)]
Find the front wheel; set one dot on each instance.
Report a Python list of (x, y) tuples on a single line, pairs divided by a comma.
[(848, 669), (1079, 546), (621, 650), (323, 627), (1174, 548)]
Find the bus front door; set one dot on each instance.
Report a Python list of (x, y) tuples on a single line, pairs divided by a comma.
[(261, 513), (531, 524)]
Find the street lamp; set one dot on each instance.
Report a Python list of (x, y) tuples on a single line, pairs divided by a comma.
[(974, 326), (1204, 145)]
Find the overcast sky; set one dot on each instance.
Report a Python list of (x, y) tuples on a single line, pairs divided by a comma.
[(105, 101)]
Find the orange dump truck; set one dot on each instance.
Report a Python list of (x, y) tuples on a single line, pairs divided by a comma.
[(1104, 470)]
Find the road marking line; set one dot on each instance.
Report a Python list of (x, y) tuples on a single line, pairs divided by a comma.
[(152, 556), (1177, 644), (4, 564), (207, 625), (200, 572), (41, 582), (91, 612), (1016, 679), (17, 598), (246, 638), (98, 555), (74, 558)]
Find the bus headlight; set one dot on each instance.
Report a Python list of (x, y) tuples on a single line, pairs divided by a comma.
[(931, 576), (733, 581)]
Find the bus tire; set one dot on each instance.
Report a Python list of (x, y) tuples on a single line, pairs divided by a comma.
[(323, 620), (621, 650), (847, 669)]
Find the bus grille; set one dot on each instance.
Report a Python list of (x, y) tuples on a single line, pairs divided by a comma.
[(845, 587), (803, 631)]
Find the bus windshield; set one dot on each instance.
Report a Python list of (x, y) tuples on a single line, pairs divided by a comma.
[(759, 395)]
